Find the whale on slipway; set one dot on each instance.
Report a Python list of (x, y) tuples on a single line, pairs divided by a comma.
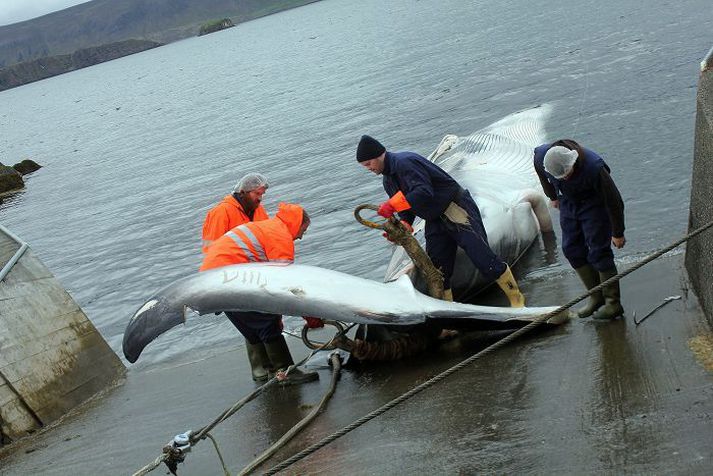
[(301, 290), (495, 164)]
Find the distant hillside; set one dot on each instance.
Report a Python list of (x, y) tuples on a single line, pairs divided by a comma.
[(101, 22), (29, 71)]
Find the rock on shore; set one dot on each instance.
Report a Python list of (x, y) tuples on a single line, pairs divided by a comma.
[(11, 177)]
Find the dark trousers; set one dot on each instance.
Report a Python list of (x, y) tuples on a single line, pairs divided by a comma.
[(443, 238), (586, 235), (257, 327)]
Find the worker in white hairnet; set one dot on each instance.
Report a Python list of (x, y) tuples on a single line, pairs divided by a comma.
[(577, 181), (242, 206)]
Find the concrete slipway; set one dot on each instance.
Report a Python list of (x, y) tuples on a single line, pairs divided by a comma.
[(583, 398)]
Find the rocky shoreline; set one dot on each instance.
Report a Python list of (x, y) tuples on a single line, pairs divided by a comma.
[(35, 70)]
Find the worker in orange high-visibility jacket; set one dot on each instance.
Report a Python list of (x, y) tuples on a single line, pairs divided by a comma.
[(242, 206), (259, 241)]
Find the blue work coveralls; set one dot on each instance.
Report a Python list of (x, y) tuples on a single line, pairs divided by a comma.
[(430, 190), (586, 227), (256, 327)]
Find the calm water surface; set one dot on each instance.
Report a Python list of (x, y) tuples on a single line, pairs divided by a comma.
[(136, 150)]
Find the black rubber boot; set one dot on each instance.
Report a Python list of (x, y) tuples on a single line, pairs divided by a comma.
[(259, 361), (280, 357), (612, 298), (590, 278)]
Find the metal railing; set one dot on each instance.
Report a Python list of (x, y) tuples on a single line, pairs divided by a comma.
[(16, 257), (3, 273)]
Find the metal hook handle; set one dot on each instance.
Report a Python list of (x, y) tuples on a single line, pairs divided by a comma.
[(314, 346), (365, 222)]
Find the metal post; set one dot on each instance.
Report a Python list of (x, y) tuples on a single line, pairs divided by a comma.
[(3, 273), (707, 62)]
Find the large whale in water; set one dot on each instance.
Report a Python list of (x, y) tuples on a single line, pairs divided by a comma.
[(495, 164)]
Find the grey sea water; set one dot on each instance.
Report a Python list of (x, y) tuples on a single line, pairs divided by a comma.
[(136, 150)]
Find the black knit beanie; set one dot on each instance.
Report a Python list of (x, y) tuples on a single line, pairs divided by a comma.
[(369, 148)]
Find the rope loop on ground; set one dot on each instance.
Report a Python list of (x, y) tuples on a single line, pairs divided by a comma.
[(220, 455), (336, 363), (196, 436)]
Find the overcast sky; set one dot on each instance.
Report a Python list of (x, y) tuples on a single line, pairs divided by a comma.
[(13, 11)]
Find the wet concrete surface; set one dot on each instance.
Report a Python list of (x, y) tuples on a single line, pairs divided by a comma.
[(582, 398)]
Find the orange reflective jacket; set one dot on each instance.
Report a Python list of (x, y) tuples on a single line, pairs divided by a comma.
[(266, 240), (224, 217)]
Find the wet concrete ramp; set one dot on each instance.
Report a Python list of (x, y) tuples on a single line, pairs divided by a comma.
[(582, 398)]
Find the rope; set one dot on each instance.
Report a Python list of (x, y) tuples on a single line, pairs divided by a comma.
[(336, 369), (399, 235), (497, 345), (201, 434), (220, 456), (152, 465)]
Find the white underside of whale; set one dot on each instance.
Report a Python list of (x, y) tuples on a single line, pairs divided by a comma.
[(495, 164)]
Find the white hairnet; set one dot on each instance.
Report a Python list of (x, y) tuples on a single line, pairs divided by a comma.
[(559, 161), (251, 182)]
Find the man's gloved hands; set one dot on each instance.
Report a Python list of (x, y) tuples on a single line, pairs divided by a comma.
[(405, 224), (386, 210), (313, 322)]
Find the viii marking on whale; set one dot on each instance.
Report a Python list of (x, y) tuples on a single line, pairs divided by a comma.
[(300, 290)]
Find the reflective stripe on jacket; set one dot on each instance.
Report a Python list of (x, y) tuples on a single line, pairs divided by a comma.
[(224, 217), (266, 240)]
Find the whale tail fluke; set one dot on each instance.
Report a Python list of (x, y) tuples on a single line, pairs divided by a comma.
[(152, 319)]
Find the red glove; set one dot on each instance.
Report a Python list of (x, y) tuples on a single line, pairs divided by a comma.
[(313, 322), (405, 224), (386, 210)]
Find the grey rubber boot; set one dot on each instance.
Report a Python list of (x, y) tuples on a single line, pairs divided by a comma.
[(259, 361), (590, 278), (612, 298), (280, 357)]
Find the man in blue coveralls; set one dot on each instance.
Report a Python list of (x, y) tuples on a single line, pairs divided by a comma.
[(418, 187), (577, 181)]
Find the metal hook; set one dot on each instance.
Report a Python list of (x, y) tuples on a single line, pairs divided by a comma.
[(365, 222), (665, 301), (320, 345)]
